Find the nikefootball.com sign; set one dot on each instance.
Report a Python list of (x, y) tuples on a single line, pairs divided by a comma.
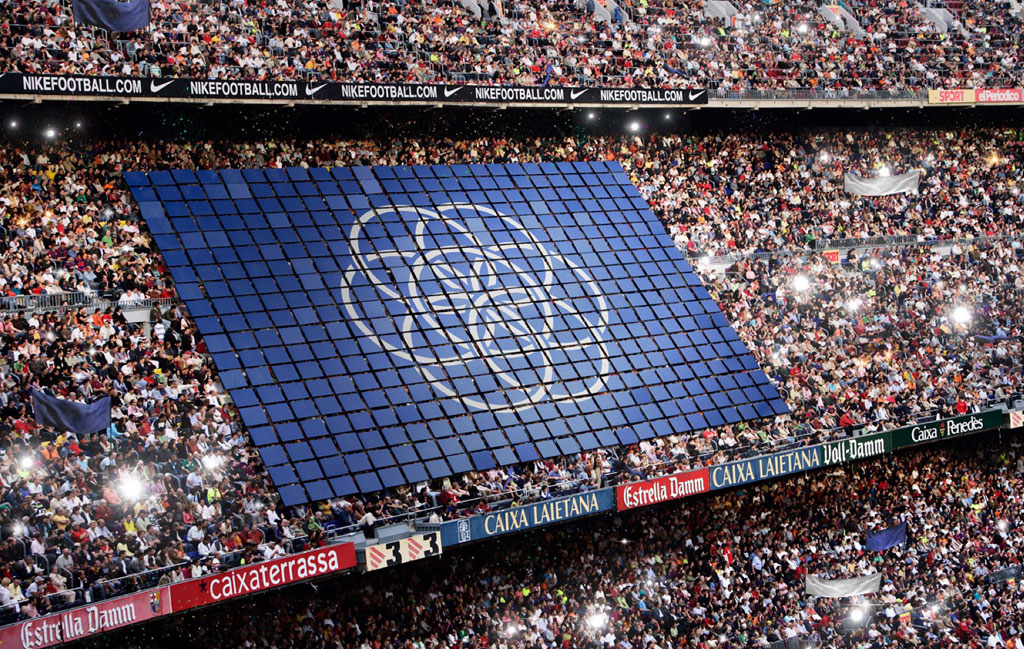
[(13, 83)]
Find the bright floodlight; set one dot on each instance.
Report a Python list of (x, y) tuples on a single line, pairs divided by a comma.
[(668, 116), (884, 171), (78, 125), (961, 315), (511, 630), (801, 283), (27, 462), (857, 614), (854, 305), (131, 488), (14, 124), (1003, 525), (824, 156), (705, 41), (802, 28), (212, 461), (591, 115), (935, 608), (50, 133), (634, 126), (597, 620), (19, 529)]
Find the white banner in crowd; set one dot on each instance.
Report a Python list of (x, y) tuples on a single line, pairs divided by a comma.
[(843, 587), (882, 185)]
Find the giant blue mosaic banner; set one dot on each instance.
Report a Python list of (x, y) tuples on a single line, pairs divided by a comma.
[(380, 326)]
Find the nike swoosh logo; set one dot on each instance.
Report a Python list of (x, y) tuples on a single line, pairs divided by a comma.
[(575, 94), (449, 93), (315, 89), (694, 95), (157, 87)]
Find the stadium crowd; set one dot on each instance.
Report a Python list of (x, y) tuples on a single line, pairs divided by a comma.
[(718, 194), (646, 43), (719, 571), (173, 487)]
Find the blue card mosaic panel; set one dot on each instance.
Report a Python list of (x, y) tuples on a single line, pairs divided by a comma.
[(380, 326)]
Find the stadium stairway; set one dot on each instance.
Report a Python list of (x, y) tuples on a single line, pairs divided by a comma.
[(473, 7), (720, 9), (608, 11), (942, 18), (841, 18)]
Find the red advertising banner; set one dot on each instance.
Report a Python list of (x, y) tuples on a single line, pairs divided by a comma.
[(659, 490), (999, 96), (82, 622), (262, 576)]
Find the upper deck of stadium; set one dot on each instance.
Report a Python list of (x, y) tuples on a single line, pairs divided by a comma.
[(859, 49)]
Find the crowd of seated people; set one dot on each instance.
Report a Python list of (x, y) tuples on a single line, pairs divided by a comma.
[(991, 27), (645, 43), (86, 516), (174, 488), (723, 571), (717, 193)]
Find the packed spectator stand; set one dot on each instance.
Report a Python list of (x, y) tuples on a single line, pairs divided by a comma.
[(174, 488), (889, 47), (722, 571)]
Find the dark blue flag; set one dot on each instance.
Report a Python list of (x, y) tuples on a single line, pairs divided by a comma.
[(887, 538), (112, 14), (79, 418)]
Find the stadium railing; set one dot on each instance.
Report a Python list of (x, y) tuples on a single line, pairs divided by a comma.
[(903, 240), (796, 642), (107, 588), (821, 94), (73, 300), (821, 245)]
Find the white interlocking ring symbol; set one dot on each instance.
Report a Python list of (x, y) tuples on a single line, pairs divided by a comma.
[(452, 305)]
